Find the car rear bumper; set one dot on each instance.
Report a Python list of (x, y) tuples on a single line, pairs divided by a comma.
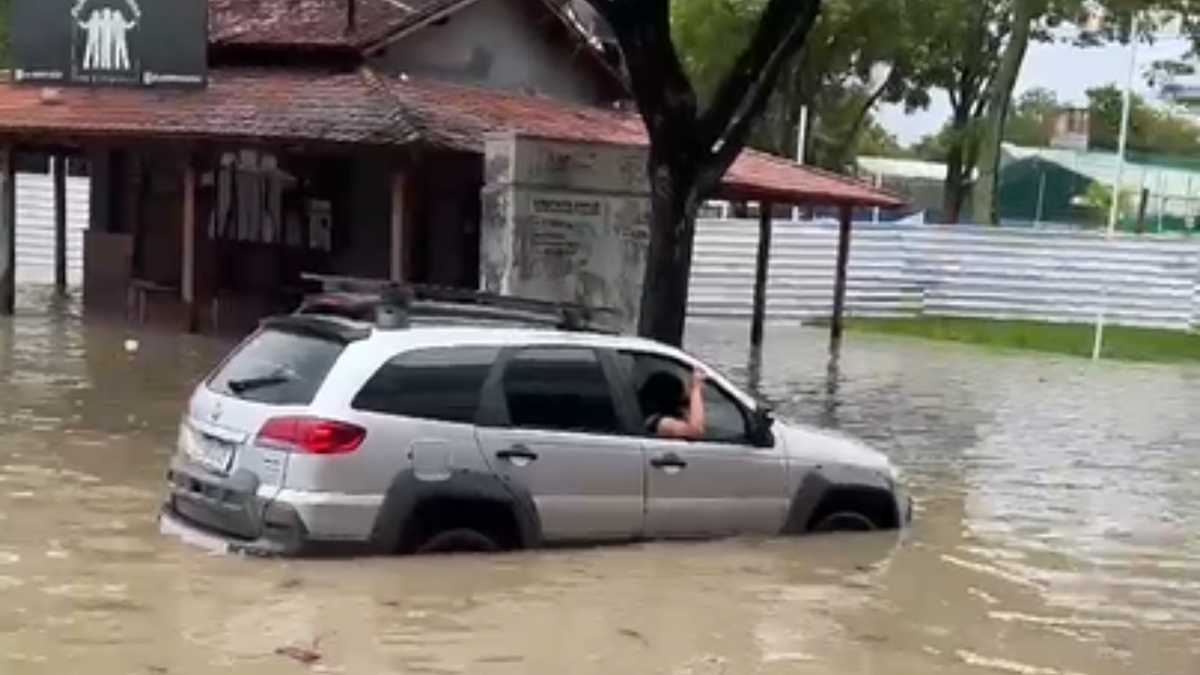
[(236, 514), (229, 514), (180, 519)]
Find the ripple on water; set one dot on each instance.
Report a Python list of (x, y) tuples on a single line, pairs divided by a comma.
[(1053, 498)]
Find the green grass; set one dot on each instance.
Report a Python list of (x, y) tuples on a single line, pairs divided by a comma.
[(1120, 342)]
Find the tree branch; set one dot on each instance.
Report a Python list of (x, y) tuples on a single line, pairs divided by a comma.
[(860, 117), (665, 97), (781, 28), (727, 122)]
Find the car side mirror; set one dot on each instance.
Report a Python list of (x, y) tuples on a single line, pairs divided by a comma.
[(761, 421)]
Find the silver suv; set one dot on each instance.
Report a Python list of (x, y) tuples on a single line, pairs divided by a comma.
[(423, 420)]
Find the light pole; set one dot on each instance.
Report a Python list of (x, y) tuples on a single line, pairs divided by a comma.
[(801, 143), (1114, 207)]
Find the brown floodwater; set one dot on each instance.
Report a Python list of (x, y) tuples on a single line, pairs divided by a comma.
[(1058, 533)]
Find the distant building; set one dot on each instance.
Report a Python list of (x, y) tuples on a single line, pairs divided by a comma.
[(1071, 129), (1051, 186), (920, 181)]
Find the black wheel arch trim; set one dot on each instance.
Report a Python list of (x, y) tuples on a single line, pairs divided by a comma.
[(408, 491), (821, 481)]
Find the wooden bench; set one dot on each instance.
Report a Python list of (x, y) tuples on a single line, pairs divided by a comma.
[(139, 290)]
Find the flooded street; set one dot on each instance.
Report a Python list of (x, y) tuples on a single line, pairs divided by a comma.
[(1058, 532)]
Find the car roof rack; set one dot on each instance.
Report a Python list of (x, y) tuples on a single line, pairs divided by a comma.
[(392, 305)]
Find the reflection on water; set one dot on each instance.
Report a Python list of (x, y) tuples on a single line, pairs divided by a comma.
[(1058, 504)]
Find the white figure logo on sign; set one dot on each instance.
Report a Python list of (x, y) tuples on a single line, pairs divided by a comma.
[(106, 31)]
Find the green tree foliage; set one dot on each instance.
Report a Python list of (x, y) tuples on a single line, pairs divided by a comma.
[(961, 62), (1033, 114), (1029, 124), (875, 141), (977, 67), (861, 53), (695, 131), (1152, 130), (865, 52), (1050, 20)]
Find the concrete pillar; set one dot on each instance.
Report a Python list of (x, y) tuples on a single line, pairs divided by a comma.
[(399, 238), (761, 270), (60, 224), (8, 233), (836, 324), (565, 221), (188, 249)]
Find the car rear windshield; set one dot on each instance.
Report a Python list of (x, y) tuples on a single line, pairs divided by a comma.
[(276, 366)]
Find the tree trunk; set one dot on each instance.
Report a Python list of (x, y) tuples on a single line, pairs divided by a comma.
[(954, 188), (999, 98), (669, 258)]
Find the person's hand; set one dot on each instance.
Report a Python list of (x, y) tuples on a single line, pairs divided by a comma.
[(697, 378)]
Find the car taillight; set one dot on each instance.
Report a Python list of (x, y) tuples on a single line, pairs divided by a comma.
[(311, 435)]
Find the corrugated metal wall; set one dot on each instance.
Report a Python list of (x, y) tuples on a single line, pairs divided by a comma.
[(895, 270), (950, 271), (35, 227)]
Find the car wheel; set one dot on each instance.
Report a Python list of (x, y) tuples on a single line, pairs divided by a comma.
[(462, 540), (845, 521)]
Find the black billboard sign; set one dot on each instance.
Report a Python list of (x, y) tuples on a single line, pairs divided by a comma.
[(143, 43)]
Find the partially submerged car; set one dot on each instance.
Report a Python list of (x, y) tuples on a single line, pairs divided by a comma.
[(410, 420)]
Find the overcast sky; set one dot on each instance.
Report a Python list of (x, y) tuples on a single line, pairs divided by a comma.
[(1069, 71)]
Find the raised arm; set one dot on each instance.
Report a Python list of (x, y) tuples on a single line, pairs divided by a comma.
[(692, 426)]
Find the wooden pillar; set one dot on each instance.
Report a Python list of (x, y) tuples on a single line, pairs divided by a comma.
[(761, 271), (60, 224), (8, 233), (188, 264), (398, 242), (839, 280)]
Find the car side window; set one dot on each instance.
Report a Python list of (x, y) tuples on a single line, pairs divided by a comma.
[(440, 383), (559, 389), (725, 419)]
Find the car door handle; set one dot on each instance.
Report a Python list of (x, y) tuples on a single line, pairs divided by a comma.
[(519, 452), (668, 461)]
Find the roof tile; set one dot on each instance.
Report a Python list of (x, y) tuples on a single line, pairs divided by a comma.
[(238, 103), (309, 23)]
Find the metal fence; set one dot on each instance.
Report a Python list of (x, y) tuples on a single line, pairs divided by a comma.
[(35, 227), (895, 270), (907, 270)]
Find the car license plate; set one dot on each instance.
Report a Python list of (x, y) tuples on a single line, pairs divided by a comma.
[(207, 452)]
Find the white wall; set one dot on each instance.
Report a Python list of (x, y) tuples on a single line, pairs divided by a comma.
[(35, 227), (565, 222)]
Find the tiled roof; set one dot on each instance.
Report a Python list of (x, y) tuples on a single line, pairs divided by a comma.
[(364, 108), (457, 116), (760, 176), (313, 23), (238, 104)]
